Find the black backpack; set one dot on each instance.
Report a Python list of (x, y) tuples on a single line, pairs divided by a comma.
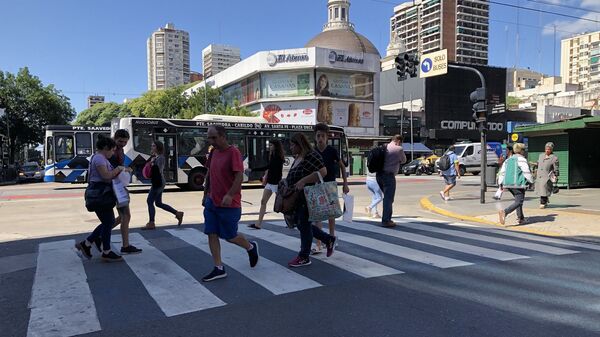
[(444, 162), (376, 159)]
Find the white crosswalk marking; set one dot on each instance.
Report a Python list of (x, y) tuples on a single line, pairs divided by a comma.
[(272, 276), (446, 244), (487, 238), (350, 263), (400, 251), (174, 290), (61, 301)]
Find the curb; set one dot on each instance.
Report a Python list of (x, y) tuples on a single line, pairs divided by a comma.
[(428, 205)]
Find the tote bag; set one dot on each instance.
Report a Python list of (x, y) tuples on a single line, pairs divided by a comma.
[(322, 200)]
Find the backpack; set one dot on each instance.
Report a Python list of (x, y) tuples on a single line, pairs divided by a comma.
[(444, 162), (513, 175), (376, 159)]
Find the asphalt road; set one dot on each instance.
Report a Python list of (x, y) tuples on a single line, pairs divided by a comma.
[(426, 277)]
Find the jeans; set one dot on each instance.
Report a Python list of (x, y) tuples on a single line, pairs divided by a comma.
[(376, 193), (387, 182), (107, 221), (155, 197), (308, 230), (519, 195)]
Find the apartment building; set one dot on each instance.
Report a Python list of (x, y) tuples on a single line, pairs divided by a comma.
[(93, 100), (216, 58), (580, 60), (168, 58), (460, 26)]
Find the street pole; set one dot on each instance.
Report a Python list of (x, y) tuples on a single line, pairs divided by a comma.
[(205, 104), (8, 135), (483, 130), (412, 146), (402, 112)]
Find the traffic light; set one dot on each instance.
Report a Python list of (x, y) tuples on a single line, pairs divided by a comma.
[(407, 65), (411, 64), (479, 109), (400, 67)]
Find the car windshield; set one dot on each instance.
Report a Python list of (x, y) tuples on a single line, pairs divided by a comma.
[(459, 150), (414, 162), (30, 168)]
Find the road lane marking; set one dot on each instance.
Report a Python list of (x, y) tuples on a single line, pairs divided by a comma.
[(350, 263), (446, 244), (175, 291), (61, 301), (399, 251), (270, 275)]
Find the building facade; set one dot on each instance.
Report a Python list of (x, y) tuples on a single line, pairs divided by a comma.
[(522, 79), (93, 100), (460, 26), (580, 60), (216, 58), (168, 58)]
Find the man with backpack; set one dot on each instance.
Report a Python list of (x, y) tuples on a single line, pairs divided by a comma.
[(385, 162), (449, 166), (515, 176)]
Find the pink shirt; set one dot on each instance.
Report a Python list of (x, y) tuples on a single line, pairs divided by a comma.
[(223, 166)]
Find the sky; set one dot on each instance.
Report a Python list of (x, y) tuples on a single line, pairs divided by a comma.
[(87, 47)]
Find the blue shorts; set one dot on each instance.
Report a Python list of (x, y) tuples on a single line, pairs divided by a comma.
[(450, 180), (222, 221)]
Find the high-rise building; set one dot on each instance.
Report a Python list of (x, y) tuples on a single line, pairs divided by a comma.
[(168, 58), (93, 100), (580, 60), (460, 26), (216, 58)]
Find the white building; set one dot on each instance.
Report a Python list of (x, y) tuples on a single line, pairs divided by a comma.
[(216, 58), (522, 79), (334, 79), (93, 100), (168, 58), (580, 59)]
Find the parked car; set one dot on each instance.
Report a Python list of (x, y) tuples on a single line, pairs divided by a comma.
[(30, 172), (418, 166), (469, 157)]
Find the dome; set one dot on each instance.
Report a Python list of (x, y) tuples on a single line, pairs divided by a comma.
[(343, 39)]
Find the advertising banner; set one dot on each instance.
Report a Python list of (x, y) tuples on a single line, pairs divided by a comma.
[(344, 85), (299, 113), (287, 84), (350, 114)]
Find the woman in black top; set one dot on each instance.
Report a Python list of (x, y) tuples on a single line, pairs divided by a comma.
[(304, 171), (272, 177)]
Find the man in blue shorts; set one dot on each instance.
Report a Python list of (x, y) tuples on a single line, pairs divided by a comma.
[(222, 201), (450, 174)]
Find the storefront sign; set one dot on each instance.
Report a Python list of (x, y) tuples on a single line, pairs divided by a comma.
[(350, 114), (335, 57), (344, 85), (299, 113), (287, 84), (274, 59), (466, 125)]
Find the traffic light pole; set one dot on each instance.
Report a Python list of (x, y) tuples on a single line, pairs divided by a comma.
[(483, 130)]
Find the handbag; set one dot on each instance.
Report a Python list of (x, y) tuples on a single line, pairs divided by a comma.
[(322, 200), (348, 207), (147, 170), (99, 196), (286, 198)]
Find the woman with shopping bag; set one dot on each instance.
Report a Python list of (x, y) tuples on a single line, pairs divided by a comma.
[(307, 169)]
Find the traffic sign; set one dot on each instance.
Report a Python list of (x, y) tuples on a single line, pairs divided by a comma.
[(434, 64), (514, 137)]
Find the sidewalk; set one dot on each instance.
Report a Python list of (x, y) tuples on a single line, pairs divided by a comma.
[(571, 213)]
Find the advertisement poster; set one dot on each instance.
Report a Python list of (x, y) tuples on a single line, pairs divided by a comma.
[(287, 84), (349, 114), (298, 113), (344, 85)]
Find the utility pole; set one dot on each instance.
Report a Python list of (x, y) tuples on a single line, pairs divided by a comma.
[(412, 146)]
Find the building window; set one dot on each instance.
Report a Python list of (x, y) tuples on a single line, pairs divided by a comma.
[(343, 13), (337, 13)]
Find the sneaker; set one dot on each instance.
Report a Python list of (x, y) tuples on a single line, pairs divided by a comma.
[(542, 206), (368, 210), (315, 251), (85, 250), (442, 195), (501, 217), (131, 249), (389, 224), (179, 217), (299, 262), (98, 244), (111, 257), (376, 216), (215, 274), (331, 246), (253, 254), (521, 222)]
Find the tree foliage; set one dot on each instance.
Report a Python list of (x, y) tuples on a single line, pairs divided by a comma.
[(101, 114), (30, 106)]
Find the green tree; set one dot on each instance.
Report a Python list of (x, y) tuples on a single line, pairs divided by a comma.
[(233, 110), (197, 102), (168, 103), (101, 114), (513, 102), (30, 106)]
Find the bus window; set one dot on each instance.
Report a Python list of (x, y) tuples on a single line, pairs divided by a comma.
[(238, 139), (142, 140), (83, 144), (64, 147), (192, 142), (49, 151), (96, 135)]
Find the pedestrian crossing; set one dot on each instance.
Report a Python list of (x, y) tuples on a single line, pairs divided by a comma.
[(62, 302)]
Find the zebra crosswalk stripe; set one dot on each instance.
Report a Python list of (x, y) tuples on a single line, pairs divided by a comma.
[(400, 251), (350, 263), (172, 288), (446, 244), (61, 301), (270, 275)]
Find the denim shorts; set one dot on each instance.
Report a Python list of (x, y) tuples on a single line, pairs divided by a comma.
[(450, 180), (222, 221)]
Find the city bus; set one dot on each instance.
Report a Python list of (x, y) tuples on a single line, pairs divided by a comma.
[(186, 148), (67, 151)]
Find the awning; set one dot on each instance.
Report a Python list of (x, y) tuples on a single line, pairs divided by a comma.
[(414, 105), (560, 126), (416, 147)]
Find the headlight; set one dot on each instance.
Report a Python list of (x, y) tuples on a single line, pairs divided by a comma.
[(37, 172), (21, 174)]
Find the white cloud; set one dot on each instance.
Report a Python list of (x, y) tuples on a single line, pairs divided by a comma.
[(574, 26)]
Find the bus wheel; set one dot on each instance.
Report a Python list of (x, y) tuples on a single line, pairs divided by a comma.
[(196, 180)]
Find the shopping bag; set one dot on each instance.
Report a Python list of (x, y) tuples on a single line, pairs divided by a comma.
[(125, 178), (348, 207), (322, 201), (121, 193), (498, 194)]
